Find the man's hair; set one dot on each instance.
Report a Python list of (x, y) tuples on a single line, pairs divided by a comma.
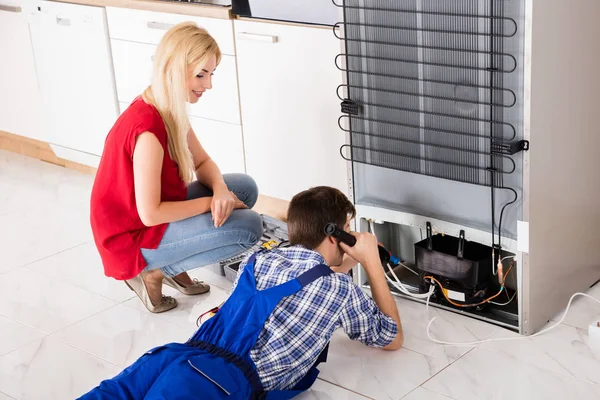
[(312, 209)]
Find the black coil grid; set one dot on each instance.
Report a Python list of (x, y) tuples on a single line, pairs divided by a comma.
[(425, 87)]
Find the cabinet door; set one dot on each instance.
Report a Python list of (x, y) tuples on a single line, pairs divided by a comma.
[(75, 72), (20, 105), (289, 106), (149, 26), (133, 68), (222, 142), (133, 73)]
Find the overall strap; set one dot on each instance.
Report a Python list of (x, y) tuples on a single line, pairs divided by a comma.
[(313, 274)]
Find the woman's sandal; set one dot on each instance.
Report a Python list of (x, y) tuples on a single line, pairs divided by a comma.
[(198, 287), (137, 285)]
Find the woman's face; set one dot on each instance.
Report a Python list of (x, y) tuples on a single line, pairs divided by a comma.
[(200, 83)]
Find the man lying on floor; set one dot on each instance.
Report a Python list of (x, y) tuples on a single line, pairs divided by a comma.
[(272, 332)]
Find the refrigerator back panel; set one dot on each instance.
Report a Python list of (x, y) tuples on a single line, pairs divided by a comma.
[(437, 86)]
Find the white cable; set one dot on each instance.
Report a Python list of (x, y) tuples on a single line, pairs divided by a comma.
[(398, 285), (509, 300), (504, 304), (408, 268), (511, 338), (494, 270), (372, 228), (396, 282)]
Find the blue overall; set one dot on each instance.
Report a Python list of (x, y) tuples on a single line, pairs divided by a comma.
[(215, 363)]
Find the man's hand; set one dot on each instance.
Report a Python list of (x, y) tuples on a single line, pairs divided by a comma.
[(365, 250)]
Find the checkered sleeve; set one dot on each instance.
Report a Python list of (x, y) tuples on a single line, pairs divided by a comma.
[(363, 321)]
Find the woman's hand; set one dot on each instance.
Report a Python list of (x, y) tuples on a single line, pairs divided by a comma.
[(238, 202), (222, 205)]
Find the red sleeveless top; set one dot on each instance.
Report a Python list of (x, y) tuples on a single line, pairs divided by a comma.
[(118, 230)]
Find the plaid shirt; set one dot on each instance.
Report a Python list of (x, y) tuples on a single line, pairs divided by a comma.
[(301, 325)]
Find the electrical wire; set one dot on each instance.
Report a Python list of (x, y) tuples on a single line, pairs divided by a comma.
[(510, 299), (511, 338), (508, 302), (396, 281), (469, 305), (494, 270), (502, 213), (400, 286), (408, 268), (372, 229)]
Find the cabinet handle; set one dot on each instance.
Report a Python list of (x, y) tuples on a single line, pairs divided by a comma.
[(63, 21), (257, 38), (159, 25), (15, 9)]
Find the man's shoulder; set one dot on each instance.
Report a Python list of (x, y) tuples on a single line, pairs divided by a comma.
[(343, 281)]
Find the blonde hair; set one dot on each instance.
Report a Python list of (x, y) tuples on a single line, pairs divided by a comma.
[(183, 47)]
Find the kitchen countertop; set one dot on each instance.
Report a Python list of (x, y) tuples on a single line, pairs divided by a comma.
[(175, 7)]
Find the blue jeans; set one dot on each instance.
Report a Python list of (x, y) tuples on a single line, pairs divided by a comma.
[(195, 242)]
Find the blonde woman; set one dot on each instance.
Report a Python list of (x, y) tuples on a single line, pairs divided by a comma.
[(151, 220)]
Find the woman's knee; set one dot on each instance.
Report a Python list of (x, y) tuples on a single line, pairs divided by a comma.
[(251, 224), (244, 186)]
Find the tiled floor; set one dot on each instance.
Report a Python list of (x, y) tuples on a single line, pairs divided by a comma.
[(64, 326)]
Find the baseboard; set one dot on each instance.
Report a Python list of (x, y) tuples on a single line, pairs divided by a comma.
[(39, 150), (273, 207)]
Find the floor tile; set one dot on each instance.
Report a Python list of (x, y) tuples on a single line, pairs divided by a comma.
[(481, 374), (448, 326), (376, 373), (82, 267), (51, 278), (14, 335), (46, 303), (41, 232), (120, 335), (424, 394), (189, 308), (23, 193), (50, 370), (212, 278), (322, 390), (583, 310), (565, 350)]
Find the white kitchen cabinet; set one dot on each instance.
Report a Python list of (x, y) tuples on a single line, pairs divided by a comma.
[(74, 66), (222, 142), (289, 106), (133, 68), (221, 103), (150, 26), (133, 74), (20, 105)]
